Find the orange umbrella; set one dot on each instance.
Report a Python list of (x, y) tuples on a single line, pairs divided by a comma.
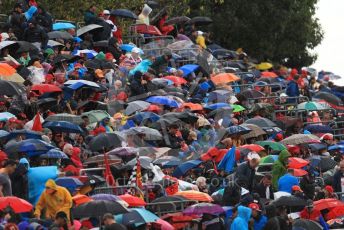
[(6, 70), (195, 195), (297, 163), (224, 78), (267, 74), (133, 201), (176, 80), (193, 106), (81, 199), (300, 172), (253, 147)]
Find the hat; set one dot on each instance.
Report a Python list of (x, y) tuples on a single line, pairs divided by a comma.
[(109, 56), (13, 120), (202, 122), (51, 184), (77, 40), (49, 51), (329, 188), (106, 12), (100, 56), (193, 135), (253, 155), (327, 136), (99, 73), (279, 136), (49, 77), (254, 206), (296, 188), (283, 95), (136, 50), (200, 32)]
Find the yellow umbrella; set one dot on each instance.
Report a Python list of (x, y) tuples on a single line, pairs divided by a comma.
[(13, 78), (264, 66)]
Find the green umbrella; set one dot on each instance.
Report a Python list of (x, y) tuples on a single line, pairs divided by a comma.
[(268, 159), (96, 115), (273, 145), (237, 108), (311, 105)]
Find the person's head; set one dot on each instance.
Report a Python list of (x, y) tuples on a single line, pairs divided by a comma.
[(48, 133), (228, 142), (118, 84), (106, 121), (108, 219), (201, 182), (328, 190), (255, 209), (296, 189), (68, 149), (267, 180), (93, 8), (86, 120), (10, 166), (106, 14), (135, 52), (18, 8), (50, 187), (296, 77), (253, 159), (309, 205), (173, 129), (61, 219)]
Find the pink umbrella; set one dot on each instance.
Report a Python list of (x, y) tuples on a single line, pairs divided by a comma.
[(165, 225)]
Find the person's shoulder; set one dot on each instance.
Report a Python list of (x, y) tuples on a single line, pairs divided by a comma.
[(116, 226)]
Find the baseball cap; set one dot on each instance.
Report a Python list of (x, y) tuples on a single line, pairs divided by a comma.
[(200, 32), (106, 12), (329, 188), (99, 73), (254, 206), (296, 188)]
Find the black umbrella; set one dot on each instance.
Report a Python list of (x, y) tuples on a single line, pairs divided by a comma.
[(26, 47), (105, 141), (97, 208), (98, 64), (177, 20), (221, 112), (46, 103), (323, 164), (103, 43), (329, 97), (262, 106), (261, 122), (290, 201), (60, 35), (92, 105), (124, 13), (237, 130), (185, 116), (115, 106), (62, 58), (200, 21), (87, 29), (11, 88), (95, 180), (307, 224), (252, 94)]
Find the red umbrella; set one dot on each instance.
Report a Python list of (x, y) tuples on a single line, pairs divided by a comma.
[(176, 80), (46, 88), (192, 106), (327, 203), (335, 212), (37, 124), (253, 147), (153, 108), (147, 29), (267, 74), (224, 78), (300, 172), (297, 163), (16, 204), (133, 201)]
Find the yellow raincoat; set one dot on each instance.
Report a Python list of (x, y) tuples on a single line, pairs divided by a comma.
[(61, 200)]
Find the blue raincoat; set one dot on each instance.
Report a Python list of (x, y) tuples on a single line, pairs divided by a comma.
[(241, 221)]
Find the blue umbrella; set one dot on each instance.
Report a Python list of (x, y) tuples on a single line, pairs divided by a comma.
[(237, 130), (63, 26), (23, 132), (63, 127), (136, 217), (336, 147), (3, 134), (162, 100), (76, 84), (186, 166), (5, 116), (89, 53), (69, 183), (54, 154), (32, 147), (142, 116), (171, 164), (319, 129), (127, 47), (317, 147), (188, 69), (217, 106)]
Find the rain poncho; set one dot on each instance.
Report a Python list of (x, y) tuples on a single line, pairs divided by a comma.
[(144, 16), (142, 67), (279, 168), (241, 221)]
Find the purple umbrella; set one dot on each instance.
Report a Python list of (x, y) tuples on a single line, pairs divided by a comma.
[(203, 208), (109, 197)]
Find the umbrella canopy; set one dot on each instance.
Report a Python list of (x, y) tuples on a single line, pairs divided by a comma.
[(11, 88), (253, 147), (5, 116), (177, 20), (69, 183), (200, 21), (133, 201), (81, 199), (219, 95), (268, 159), (4, 44), (276, 146), (147, 29), (261, 122), (87, 29), (165, 159), (105, 141), (323, 164), (290, 201), (192, 106), (299, 172), (60, 35), (63, 26), (195, 195), (328, 97), (136, 106), (163, 100), (54, 154), (6, 69), (262, 106), (218, 106), (186, 166), (16, 204), (327, 203), (224, 78), (137, 217), (97, 208), (148, 133), (13, 78), (188, 69), (297, 163), (144, 161), (28, 134), (264, 66), (307, 224), (319, 129), (255, 131), (204, 208), (96, 115), (109, 197), (63, 127), (25, 46), (237, 130), (335, 212), (176, 80), (299, 139), (252, 94), (53, 43), (32, 147), (311, 105), (124, 151), (123, 13), (268, 74), (46, 88), (65, 117), (99, 160), (82, 82)]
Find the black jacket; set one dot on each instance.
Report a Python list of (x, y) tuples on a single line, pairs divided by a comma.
[(114, 50), (36, 34), (136, 88), (261, 190), (245, 172), (16, 21), (307, 185), (231, 195), (337, 177)]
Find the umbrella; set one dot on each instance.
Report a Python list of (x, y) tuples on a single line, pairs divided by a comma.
[(217, 106), (200, 21), (53, 43), (69, 183), (5, 116), (299, 139), (186, 166), (96, 115), (252, 94), (290, 201), (192, 106), (238, 108), (165, 159), (327, 203), (133, 201), (28, 134), (328, 97), (163, 100), (63, 58), (145, 162), (253, 147), (176, 80), (297, 163), (105, 141), (177, 20), (63, 127), (65, 117), (204, 208), (195, 195), (136, 106), (11, 88), (97, 208), (144, 116), (323, 163), (109, 197), (219, 95), (148, 133), (3, 133), (264, 66), (25, 46), (46, 88), (63, 26), (261, 122), (136, 217), (82, 82), (268, 159), (299, 172), (336, 147), (267, 74), (307, 224), (87, 29), (81, 199), (127, 47), (224, 78), (13, 78), (99, 159), (262, 106), (311, 105), (54, 154), (188, 69), (276, 146), (255, 131), (4, 44), (33, 147), (317, 147), (237, 130), (124, 151), (335, 212), (98, 64), (123, 13), (16, 204), (147, 29), (184, 116), (6, 69), (86, 52), (60, 35), (319, 129)]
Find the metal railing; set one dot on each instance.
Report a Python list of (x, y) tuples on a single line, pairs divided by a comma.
[(162, 208)]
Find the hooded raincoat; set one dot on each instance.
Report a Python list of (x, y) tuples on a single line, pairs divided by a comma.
[(279, 168), (241, 221)]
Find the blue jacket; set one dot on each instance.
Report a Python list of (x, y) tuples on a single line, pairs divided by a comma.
[(286, 182), (292, 90), (260, 224), (241, 221)]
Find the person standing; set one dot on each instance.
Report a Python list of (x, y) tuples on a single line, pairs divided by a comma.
[(9, 167), (247, 170), (242, 218), (264, 188), (292, 90), (286, 182), (279, 168), (338, 179)]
